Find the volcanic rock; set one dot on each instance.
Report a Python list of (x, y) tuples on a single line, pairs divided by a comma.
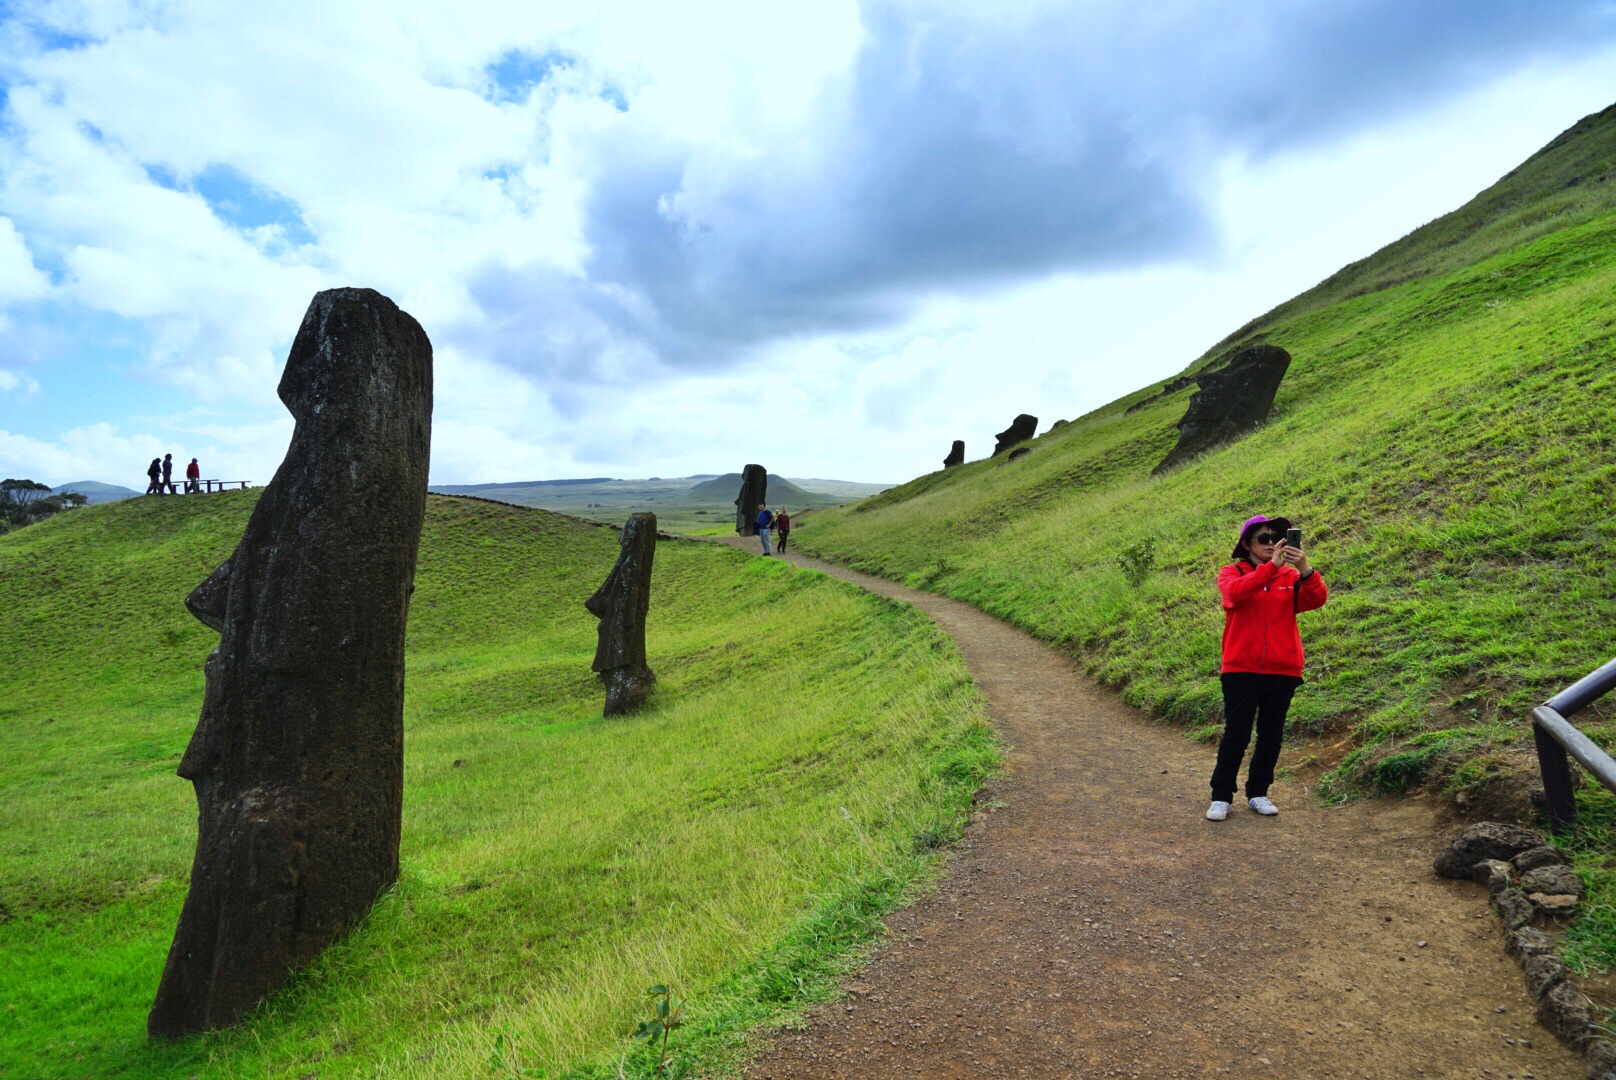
[(1514, 908), (1019, 452), (754, 493), (1555, 880), (298, 758), (1543, 973), (1491, 873), (1231, 401), (1020, 430), (1566, 1012), (621, 605), (1533, 858), (1485, 840), (955, 456)]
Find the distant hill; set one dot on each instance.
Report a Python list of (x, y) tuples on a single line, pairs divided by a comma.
[(724, 489), (94, 491), (478, 489)]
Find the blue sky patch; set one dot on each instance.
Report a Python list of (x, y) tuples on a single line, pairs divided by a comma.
[(514, 75)]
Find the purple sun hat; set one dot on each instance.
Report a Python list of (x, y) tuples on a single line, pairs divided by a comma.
[(1279, 523)]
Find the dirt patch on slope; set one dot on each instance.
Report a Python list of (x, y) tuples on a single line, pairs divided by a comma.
[(1092, 924)]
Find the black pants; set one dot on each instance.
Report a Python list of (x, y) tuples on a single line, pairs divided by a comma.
[(1248, 698), (784, 536)]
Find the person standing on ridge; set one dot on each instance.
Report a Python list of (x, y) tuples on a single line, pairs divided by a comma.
[(765, 521), (168, 474), (193, 477), (154, 476), (1269, 583), (782, 529)]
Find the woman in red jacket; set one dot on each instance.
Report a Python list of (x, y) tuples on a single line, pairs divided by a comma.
[(1264, 589)]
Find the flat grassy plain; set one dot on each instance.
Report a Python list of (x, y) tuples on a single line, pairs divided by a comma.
[(1444, 437), (808, 749)]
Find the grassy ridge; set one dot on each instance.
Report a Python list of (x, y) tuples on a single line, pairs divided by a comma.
[(1444, 437), (806, 749)]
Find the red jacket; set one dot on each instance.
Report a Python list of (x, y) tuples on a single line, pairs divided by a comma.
[(1260, 605)]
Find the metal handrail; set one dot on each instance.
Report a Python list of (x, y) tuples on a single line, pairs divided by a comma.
[(1556, 736)]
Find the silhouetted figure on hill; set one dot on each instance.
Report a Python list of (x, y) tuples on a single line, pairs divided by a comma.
[(154, 477), (168, 475), (298, 758), (193, 477), (621, 605)]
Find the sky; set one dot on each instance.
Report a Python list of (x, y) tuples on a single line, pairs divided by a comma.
[(652, 239)]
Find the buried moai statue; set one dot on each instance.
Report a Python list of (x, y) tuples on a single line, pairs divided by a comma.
[(1020, 430), (1232, 400), (955, 456), (621, 605), (298, 758), (754, 493)]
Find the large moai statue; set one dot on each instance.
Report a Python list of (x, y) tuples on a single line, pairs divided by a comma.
[(754, 493), (1022, 428), (955, 456), (1231, 401), (298, 758), (621, 605)]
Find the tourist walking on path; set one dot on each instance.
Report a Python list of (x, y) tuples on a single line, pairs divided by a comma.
[(782, 529), (1267, 585), (168, 474), (765, 520), (154, 477), (193, 477)]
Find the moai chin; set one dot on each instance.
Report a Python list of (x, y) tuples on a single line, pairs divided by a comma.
[(754, 493), (621, 605), (298, 758)]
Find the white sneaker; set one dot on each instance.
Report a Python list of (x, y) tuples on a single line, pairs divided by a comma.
[(1263, 806), (1218, 811)]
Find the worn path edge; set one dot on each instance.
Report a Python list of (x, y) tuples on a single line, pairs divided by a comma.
[(1092, 924)]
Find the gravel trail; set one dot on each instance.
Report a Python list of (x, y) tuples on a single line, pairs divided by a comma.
[(1092, 924)]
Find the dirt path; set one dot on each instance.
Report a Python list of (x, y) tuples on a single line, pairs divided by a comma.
[(1092, 924)]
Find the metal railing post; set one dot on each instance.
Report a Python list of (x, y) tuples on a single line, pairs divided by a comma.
[(1555, 766)]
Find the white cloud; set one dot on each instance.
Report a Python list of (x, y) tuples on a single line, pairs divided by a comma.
[(13, 383)]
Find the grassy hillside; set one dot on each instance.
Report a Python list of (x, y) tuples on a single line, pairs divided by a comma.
[(807, 748), (1444, 437)]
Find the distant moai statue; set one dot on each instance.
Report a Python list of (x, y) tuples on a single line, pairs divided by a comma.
[(955, 456), (621, 605), (1022, 428), (1232, 401), (298, 758), (754, 493)]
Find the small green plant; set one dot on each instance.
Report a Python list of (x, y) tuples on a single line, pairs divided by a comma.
[(666, 1015), (1138, 561)]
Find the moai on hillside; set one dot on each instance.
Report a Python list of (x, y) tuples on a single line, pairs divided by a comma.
[(1021, 429), (754, 493), (298, 758), (1231, 401), (955, 456), (621, 605)]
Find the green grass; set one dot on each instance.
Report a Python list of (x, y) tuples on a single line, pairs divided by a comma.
[(1444, 437), (805, 750)]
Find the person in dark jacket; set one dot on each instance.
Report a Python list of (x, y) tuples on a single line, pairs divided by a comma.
[(782, 529), (154, 475), (168, 474), (1266, 586)]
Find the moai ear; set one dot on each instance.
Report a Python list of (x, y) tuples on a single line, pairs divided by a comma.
[(207, 601)]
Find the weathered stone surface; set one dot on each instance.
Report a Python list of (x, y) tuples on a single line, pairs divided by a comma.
[(1558, 906), (956, 456), (621, 605), (1020, 430), (298, 758), (1491, 873), (754, 493), (1485, 840), (1557, 880), (1543, 973), (1231, 401), (1601, 1060), (1566, 1012), (1532, 858), (1514, 908), (1525, 943), (1019, 452)]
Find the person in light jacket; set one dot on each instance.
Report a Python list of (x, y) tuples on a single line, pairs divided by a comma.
[(1266, 586)]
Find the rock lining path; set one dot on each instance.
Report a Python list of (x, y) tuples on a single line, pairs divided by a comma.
[(1092, 924)]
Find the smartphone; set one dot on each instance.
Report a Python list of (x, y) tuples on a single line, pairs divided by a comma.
[(1293, 538)]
